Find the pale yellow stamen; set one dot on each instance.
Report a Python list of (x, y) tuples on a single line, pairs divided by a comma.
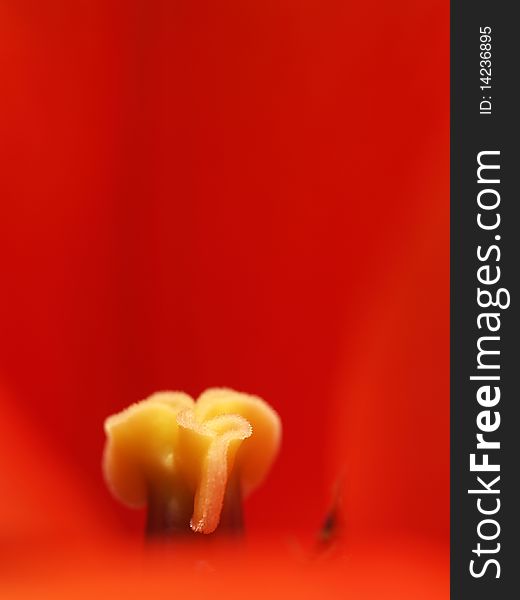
[(169, 446)]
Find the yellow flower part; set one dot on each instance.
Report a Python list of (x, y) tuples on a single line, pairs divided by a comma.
[(175, 453)]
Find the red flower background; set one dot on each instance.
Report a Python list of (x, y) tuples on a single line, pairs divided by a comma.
[(250, 194)]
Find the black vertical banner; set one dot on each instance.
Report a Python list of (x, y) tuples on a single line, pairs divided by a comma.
[(485, 268)]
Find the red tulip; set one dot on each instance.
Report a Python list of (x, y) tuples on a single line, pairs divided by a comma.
[(253, 195)]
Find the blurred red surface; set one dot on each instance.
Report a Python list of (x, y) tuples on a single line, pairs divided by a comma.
[(235, 193)]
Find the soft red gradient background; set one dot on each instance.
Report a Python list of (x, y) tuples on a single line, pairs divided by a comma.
[(242, 193)]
